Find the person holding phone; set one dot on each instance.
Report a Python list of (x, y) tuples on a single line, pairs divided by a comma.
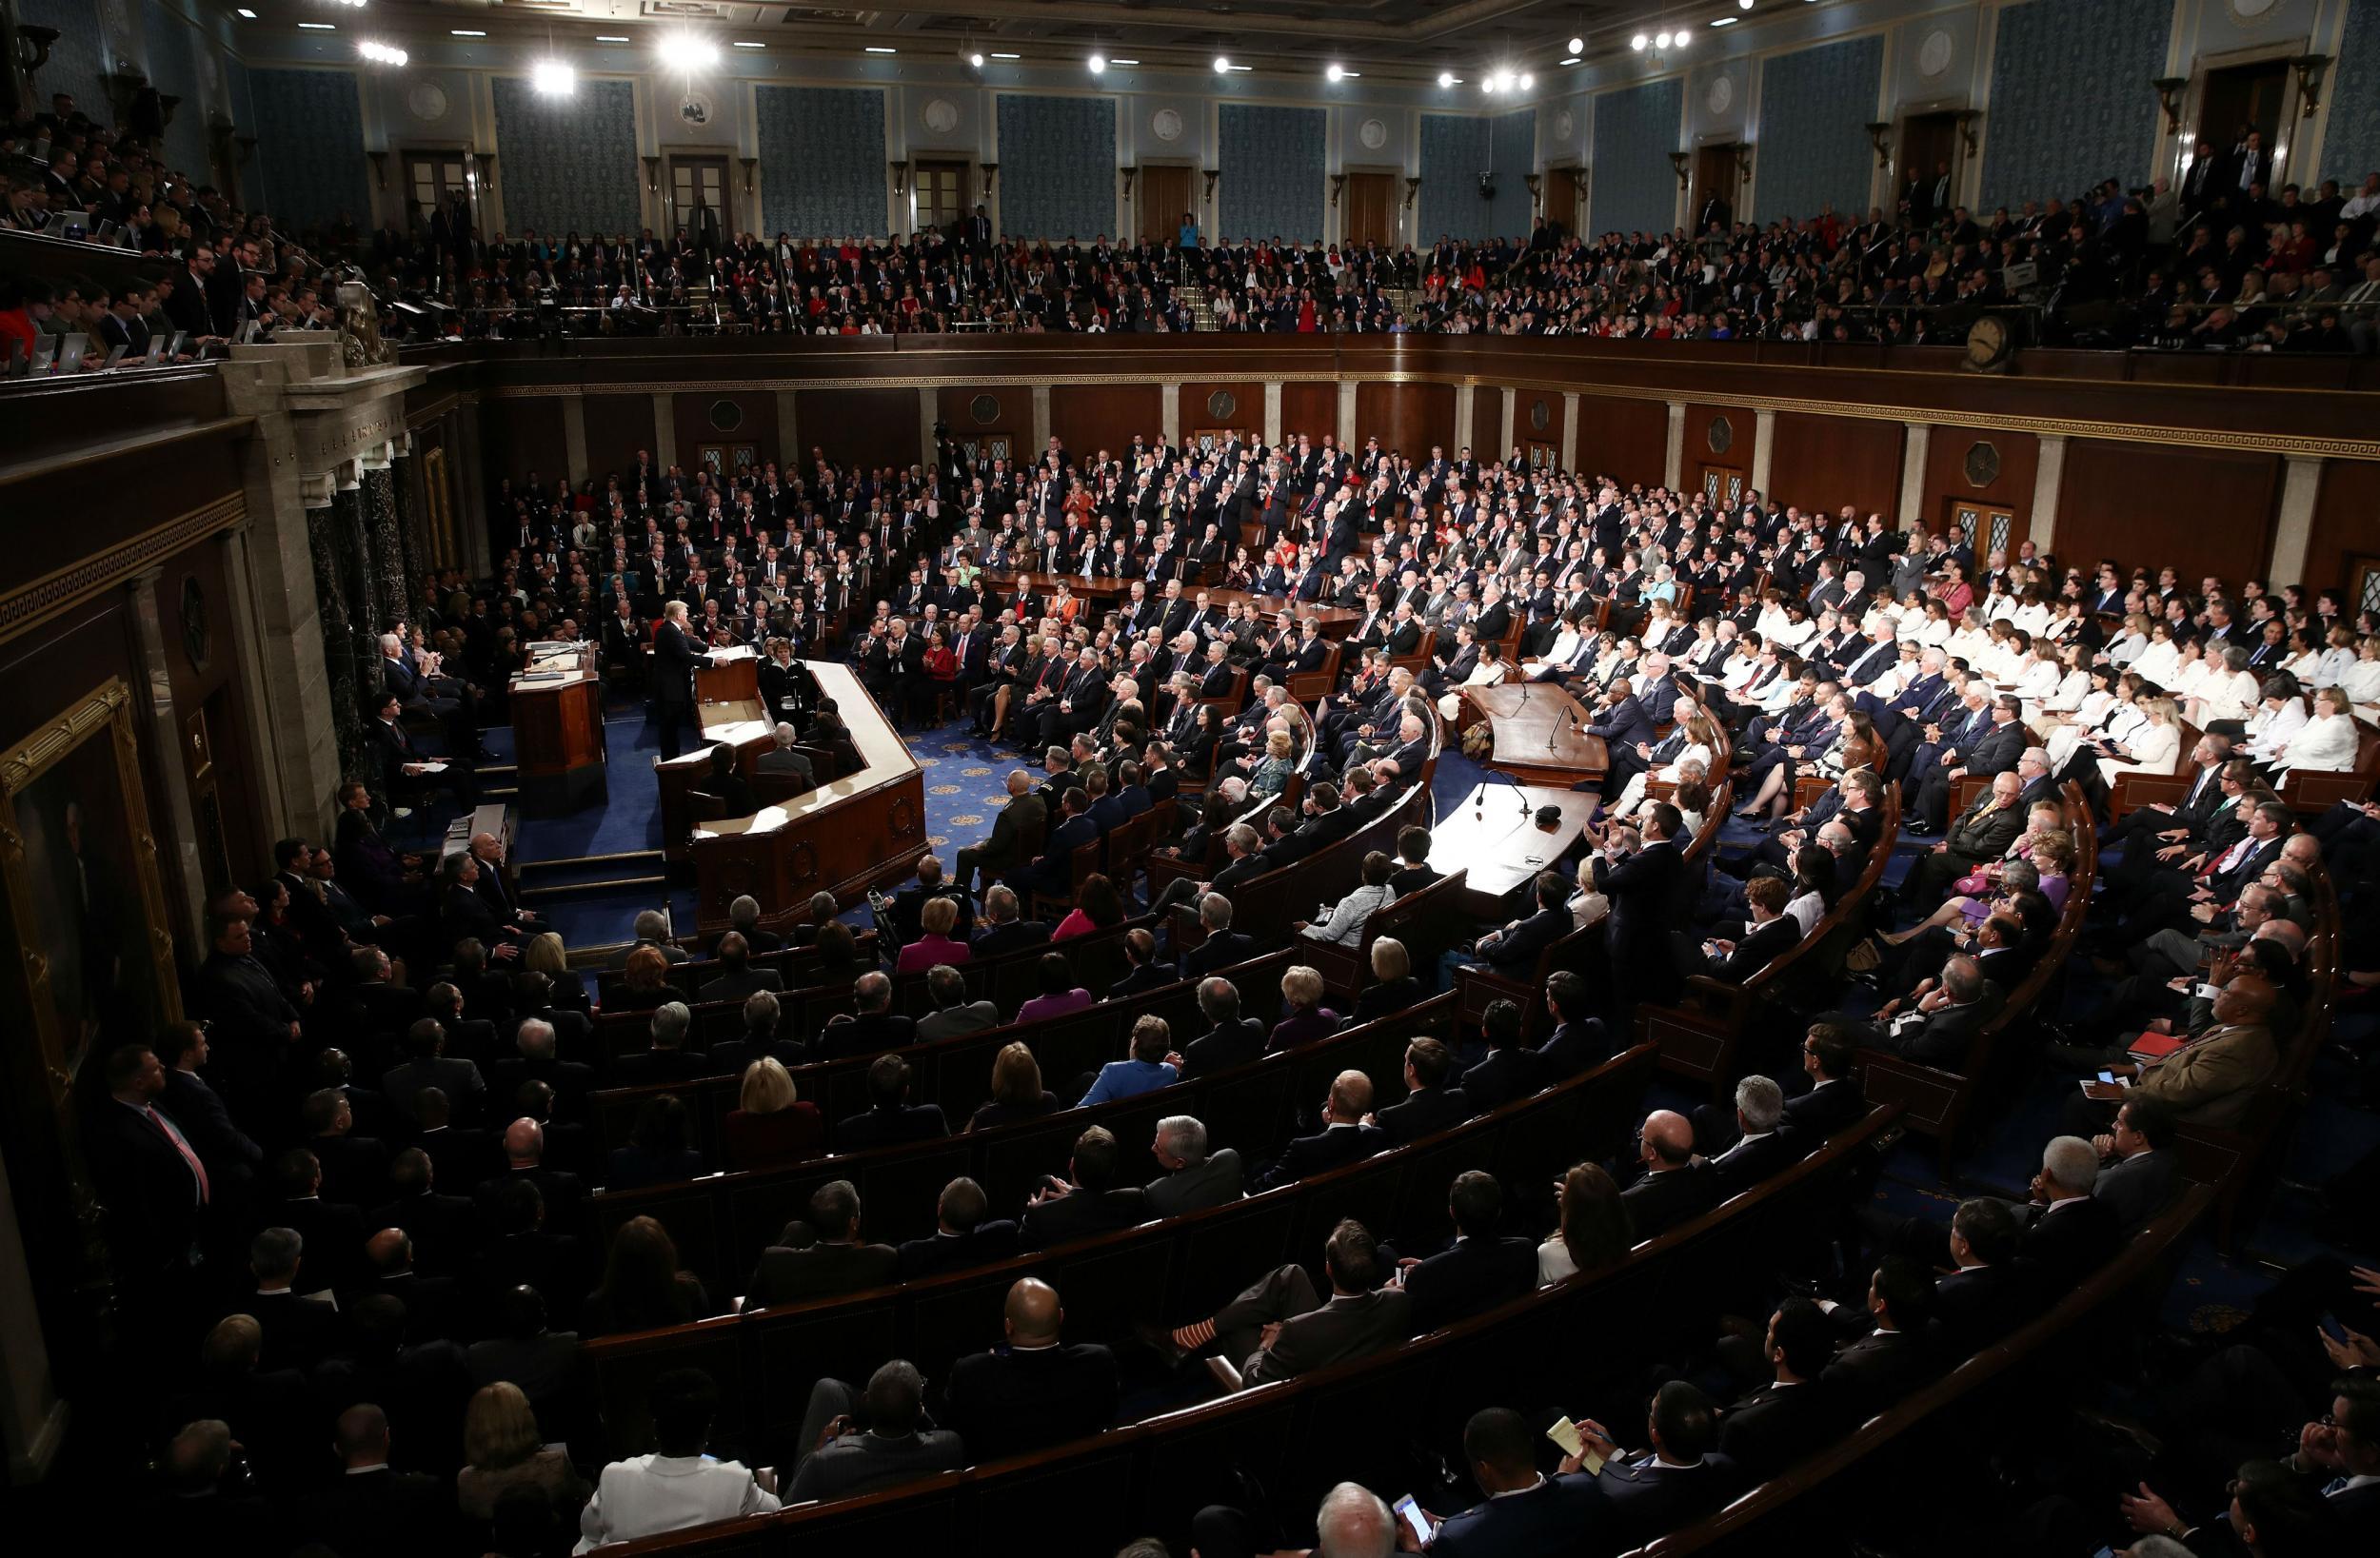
[(1525, 1512)]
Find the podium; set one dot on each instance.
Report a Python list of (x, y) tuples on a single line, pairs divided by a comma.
[(558, 729)]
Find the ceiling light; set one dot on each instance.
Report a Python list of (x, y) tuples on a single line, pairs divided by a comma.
[(1098, 63), (1222, 62), (467, 32), (1639, 41), (1722, 21), (741, 44), (874, 50), (317, 26), (380, 53), (551, 78), (1661, 40), (247, 13), (1680, 41), (602, 38), (1334, 72), (684, 52), (1351, 75), (1488, 86), (1744, 5), (1573, 60), (1123, 62), (1245, 70), (976, 58), (1527, 82), (1577, 46), (1446, 78), (999, 56)]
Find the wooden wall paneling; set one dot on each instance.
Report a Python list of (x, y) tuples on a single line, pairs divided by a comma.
[(521, 436), (873, 426), (1952, 463), (1311, 406), (1822, 463), (2204, 511), (1247, 406), (1088, 418), (1406, 417), (1740, 436), (751, 416), (616, 427), (1525, 413), (1624, 440), (2343, 525), (1011, 415)]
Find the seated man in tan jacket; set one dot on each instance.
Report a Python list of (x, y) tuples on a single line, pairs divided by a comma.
[(2210, 1079)]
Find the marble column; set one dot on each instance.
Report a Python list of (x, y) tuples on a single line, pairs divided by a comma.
[(1169, 412), (392, 582), (1506, 420), (1763, 448), (925, 427), (338, 633), (1915, 442), (665, 433), (1466, 406), (574, 437), (2300, 484), (470, 507), (1570, 431), (1347, 416), (788, 434), (406, 486), (1674, 454), (2049, 474), (1041, 426), (1272, 413), (152, 698)]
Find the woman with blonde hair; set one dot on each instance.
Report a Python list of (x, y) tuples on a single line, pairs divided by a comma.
[(770, 1126), (2154, 746), (546, 954), (2327, 742), (1017, 1091), (503, 1451)]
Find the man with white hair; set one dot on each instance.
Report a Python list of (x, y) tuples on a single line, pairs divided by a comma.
[(782, 759), (674, 657), (1351, 1522), (422, 691)]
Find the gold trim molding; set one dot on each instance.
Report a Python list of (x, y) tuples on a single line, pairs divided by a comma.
[(39, 600)]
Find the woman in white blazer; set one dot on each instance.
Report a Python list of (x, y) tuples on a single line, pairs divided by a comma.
[(2361, 681), (2230, 692), (2153, 748), (2324, 745)]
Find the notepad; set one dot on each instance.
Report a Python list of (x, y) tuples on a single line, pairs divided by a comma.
[(1565, 1433)]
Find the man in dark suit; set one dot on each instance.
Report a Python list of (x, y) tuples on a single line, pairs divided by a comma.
[(443, 1228), (1994, 750), (375, 1511), (1024, 819), (1146, 973), (1523, 1512), (1193, 1178), (1773, 1428), (1765, 936), (1674, 1186), (1510, 1069), (890, 1117), (299, 1332), (1578, 1040), (1345, 1138), (1761, 1146), (1000, 931), (1223, 947), (962, 1235), (1946, 1020), (1305, 1332), (1512, 950), (875, 1026), (225, 1151), (1430, 1105), (821, 1255), (1833, 1101), (537, 1060), (1982, 832), (1480, 1270), (1051, 873), (1987, 1294), (1034, 1391), (1086, 1203), (1230, 1040), (154, 1180), (1642, 887), (427, 1066), (674, 657), (1896, 1351), (1648, 1494), (737, 977), (560, 1191)]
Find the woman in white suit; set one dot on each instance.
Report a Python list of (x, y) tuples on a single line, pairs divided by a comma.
[(2230, 691), (2153, 748), (2327, 742)]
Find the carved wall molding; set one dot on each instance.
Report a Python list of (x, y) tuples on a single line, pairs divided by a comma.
[(38, 599)]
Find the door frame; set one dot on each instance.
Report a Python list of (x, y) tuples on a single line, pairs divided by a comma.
[(1962, 160), (473, 192), (922, 160), (1987, 515), (2286, 156), (668, 226), (1705, 469), (1393, 172), (1567, 172), (1138, 203)]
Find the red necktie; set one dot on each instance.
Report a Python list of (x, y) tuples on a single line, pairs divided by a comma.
[(198, 1169)]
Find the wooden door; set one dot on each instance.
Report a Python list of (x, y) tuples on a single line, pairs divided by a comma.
[(938, 198), (1716, 179), (1370, 209), (1990, 527), (1562, 199), (1928, 141), (2242, 98), (702, 181), (2364, 570), (433, 177), (1164, 197), (1722, 485)]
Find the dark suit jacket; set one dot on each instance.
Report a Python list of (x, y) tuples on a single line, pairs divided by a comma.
[(1081, 1214), (1943, 1039), (1337, 1330), (1826, 1108), (1644, 890), (1644, 1502), (870, 1033), (299, 1333), (1660, 1202), (1147, 976), (1514, 954), (821, 1271), (883, 1127), (2067, 1243), (1422, 1113), (1198, 1187), (1217, 951), (198, 1109), (1547, 1521), (1754, 1159), (1575, 1046), (1978, 1304), (383, 1514), (1879, 1369), (1505, 1075), (1470, 1278), (1775, 1425), (1327, 1149), (1006, 1402), (938, 1251), (1012, 936), (1755, 951), (1223, 1048)]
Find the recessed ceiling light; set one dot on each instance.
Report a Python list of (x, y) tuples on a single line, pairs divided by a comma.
[(1722, 21), (1527, 82), (1661, 40), (976, 58), (741, 43), (1223, 63), (1573, 60), (1096, 63), (1123, 62), (1680, 41), (874, 50), (998, 56), (604, 38), (1577, 46), (247, 14), (1334, 72), (1446, 78), (1744, 5), (1639, 41), (467, 32), (317, 26)]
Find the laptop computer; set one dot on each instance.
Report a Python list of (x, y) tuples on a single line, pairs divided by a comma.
[(116, 355), (45, 353), (71, 348)]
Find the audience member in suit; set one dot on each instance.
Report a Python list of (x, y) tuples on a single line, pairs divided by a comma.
[(953, 1013), (963, 1236), (527, 1351), (562, 1191), (2139, 1172), (1193, 1178), (821, 1255), (1304, 1018), (771, 1126), (1948, 1020), (1982, 833), (227, 1152), (524, 1253), (1393, 987), (1017, 828), (156, 1184), (1767, 933), (1361, 1317), (427, 1065), (677, 1486), (1000, 931), (1512, 952), (537, 1060), (1345, 1138), (1987, 1294), (1896, 1350), (644, 1288), (1580, 1040), (445, 1229), (1674, 1186), (1146, 973), (737, 978), (432, 1304), (333, 1231), (1771, 1429), (1762, 1146), (890, 1118), (874, 1027), (868, 1439), (1430, 1104), (657, 1151), (1648, 1494), (1087, 1202), (375, 1511), (1223, 947), (1832, 1102), (1523, 1514), (1510, 1070), (1035, 1390), (1642, 888), (763, 1016), (1230, 1040), (1480, 1270), (1017, 1091), (299, 1332), (669, 1060)]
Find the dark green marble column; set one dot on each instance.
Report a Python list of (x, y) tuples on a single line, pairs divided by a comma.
[(338, 637)]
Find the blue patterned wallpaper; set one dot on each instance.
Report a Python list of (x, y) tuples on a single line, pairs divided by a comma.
[(1514, 157), (2350, 147), (1058, 173), (1274, 162), (310, 127), (823, 163), (79, 57), (1813, 148), (565, 162), (2055, 126), (240, 102), (173, 71), (1631, 185), (1455, 149)]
